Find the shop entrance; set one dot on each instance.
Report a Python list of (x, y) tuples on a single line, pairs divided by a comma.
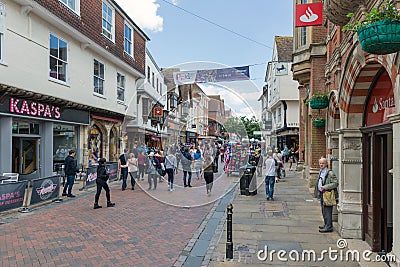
[(378, 190), (25, 154)]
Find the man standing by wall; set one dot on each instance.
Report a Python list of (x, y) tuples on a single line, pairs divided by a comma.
[(327, 181), (70, 172)]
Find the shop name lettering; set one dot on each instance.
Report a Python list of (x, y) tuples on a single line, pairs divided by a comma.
[(383, 104), (10, 198), (34, 109)]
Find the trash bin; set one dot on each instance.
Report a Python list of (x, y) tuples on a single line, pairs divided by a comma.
[(248, 180)]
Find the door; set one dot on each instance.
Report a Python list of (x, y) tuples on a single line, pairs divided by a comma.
[(377, 191), (25, 155)]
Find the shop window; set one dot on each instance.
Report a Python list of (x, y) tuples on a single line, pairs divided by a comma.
[(120, 87), (58, 58), (98, 77), (95, 143), (64, 140)]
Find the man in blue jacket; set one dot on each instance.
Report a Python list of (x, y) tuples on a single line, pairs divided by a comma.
[(70, 168)]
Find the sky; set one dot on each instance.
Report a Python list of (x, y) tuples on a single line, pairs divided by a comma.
[(180, 39)]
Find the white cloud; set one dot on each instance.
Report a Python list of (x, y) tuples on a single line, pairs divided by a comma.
[(144, 13)]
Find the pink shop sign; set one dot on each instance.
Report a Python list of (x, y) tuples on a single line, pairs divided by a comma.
[(33, 108)]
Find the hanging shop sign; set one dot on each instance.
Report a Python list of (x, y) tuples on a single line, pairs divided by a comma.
[(381, 101), (309, 14), (34, 109), (157, 112)]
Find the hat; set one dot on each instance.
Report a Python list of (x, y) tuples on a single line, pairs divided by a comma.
[(151, 154)]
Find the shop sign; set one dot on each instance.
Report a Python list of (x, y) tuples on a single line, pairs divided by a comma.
[(381, 101), (45, 189), (32, 108), (157, 112), (309, 14)]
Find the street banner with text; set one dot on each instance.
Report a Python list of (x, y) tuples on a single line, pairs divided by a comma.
[(12, 195), (44, 189), (212, 75)]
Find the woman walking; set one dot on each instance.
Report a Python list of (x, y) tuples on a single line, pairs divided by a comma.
[(198, 163), (209, 172), (133, 169), (170, 167), (152, 164), (101, 182)]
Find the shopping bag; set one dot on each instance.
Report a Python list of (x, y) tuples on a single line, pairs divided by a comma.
[(329, 198)]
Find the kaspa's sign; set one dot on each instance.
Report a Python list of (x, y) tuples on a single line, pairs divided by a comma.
[(309, 14)]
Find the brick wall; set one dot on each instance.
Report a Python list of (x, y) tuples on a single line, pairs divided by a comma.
[(90, 24)]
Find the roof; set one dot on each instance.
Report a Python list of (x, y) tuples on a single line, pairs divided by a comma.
[(284, 47)]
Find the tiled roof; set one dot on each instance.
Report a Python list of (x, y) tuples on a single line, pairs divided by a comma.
[(284, 47)]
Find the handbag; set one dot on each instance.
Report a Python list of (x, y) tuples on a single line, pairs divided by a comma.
[(329, 198), (161, 172)]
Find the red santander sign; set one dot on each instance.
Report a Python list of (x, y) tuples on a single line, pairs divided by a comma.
[(309, 14)]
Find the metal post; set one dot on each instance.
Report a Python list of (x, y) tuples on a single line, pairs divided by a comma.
[(229, 242), (25, 208)]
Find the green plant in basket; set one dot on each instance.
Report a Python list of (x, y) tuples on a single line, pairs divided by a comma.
[(318, 100), (319, 122), (379, 32)]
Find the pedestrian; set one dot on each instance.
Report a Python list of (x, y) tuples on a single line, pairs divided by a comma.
[(327, 181), (186, 160), (285, 153), (123, 167), (159, 155), (141, 164), (291, 158), (198, 162), (101, 182), (209, 172), (278, 158), (70, 169), (270, 165), (152, 173), (170, 168), (133, 168)]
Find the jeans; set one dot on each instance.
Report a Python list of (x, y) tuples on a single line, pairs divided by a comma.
[(327, 214), (133, 177), (124, 176), (141, 171), (170, 173), (102, 184), (269, 186), (185, 174), (154, 178), (69, 184)]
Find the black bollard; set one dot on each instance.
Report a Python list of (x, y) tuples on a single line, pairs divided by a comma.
[(229, 242)]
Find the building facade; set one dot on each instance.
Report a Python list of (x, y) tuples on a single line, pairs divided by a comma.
[(77, 76)]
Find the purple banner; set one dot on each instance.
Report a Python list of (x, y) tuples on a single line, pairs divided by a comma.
[(212, 75), (12, 195)]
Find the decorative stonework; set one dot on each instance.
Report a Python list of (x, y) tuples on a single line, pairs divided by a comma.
[(334, 143), (352, 161), (352, 144), (336, 10)]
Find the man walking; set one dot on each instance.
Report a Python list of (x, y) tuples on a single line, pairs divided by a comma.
[(270, 166), (71, 169), (123, 167), (327, 181)]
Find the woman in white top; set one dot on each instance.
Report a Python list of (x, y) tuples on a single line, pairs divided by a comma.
[(270, 166), (133, 169)]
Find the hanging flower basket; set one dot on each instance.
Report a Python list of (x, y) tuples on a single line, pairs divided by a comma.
[(319, 122), (381, 37), (319, 103)]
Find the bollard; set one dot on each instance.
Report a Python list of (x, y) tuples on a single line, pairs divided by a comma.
[(229, 242)]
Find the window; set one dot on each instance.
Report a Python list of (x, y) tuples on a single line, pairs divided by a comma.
[(303, 36), (279, 122), (98, 77), (74, 5), (152, 79), (2, 29), (161, 89), (157, 86), (145, 107), (108, 21), (148, 74), (120, 86), (128, 40), (58, 58)]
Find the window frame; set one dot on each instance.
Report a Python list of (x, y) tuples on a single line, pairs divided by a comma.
[(112, 32), (131, 42), (121, 88), (77, 3), (59, 59), (98, 77), (2, 33)]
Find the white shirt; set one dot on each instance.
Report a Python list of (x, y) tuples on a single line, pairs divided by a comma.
[(270, 167), (321, 179)]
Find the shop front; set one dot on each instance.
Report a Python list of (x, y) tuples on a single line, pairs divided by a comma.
[(36, 135)]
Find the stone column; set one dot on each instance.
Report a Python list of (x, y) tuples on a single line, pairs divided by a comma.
[(395, 119), (350, 180), (6, 144), (333, 159)]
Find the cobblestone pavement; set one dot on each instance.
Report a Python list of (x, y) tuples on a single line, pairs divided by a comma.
[(140, 230)]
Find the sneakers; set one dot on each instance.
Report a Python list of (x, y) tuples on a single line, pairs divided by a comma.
[(64, 194), (189, 186), (97, 206), (70, 195), (110, 204)]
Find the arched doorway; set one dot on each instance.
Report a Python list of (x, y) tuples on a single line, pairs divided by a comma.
[(95, 142), (113, 145), (377, 181)]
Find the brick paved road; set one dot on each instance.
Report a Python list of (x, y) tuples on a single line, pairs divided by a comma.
[(138, 231)]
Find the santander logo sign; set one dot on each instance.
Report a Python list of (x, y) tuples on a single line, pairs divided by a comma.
[(309, 14)]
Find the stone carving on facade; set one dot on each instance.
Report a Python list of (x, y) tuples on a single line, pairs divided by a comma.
[(334, 143), (336, 10), (352, 144), (352, 161)]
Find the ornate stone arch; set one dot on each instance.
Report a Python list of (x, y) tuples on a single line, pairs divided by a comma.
[(333, 116)]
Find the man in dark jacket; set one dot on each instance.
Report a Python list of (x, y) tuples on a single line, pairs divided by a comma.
[(186, 160), (101, 182), (71, 169)]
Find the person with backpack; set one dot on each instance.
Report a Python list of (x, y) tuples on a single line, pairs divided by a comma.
[(152, 172), (101, 182)]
